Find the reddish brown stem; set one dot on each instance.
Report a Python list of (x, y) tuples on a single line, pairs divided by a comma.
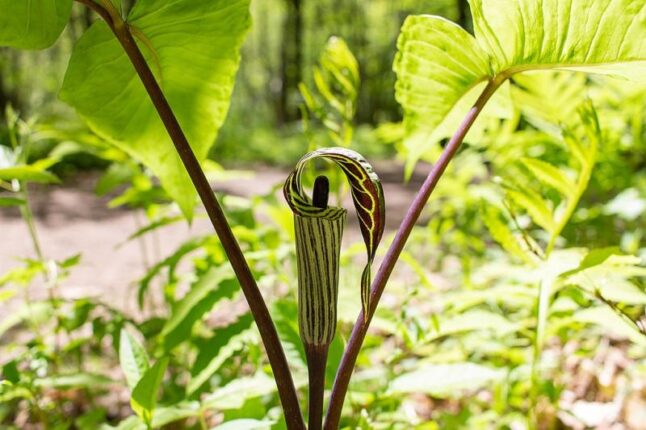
[(316, 364), (275, 353), (360, 328)]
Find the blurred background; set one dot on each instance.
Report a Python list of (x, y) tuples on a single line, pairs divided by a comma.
[(467, 335)]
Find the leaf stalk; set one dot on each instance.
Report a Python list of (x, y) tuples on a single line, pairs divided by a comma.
[(349, 359), (257, 305)]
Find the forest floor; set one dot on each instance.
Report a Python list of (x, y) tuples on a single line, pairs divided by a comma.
[(71, 219)]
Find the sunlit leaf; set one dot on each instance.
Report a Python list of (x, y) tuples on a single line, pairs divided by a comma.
[(132, 358), (28, 174), (438, 62), (33, 24), (11, 201), (235, 393), (144, 395), (217, 284), (215, 351), (537, 207), (599, 36), (76, 380), (550, 175), (501, 233), (446, 380), (245, 424), (192, 47)]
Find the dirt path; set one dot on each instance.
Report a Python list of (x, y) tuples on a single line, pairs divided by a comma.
[(71, 219)]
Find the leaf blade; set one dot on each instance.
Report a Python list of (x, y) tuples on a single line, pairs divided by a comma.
[(193, 48), (132, 358), (34, 24)]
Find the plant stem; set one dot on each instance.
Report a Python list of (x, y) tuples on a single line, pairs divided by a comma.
[(316, 364), (28, 217), (360, 328), (257, 305)]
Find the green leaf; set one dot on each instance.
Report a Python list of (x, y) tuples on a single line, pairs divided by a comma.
[(132, 358), (77, 380), (438, 62), (537, 208), (446, 380), (36, 313), (155, 225), (550, 175), (144, 395), (217, 284), (245, 424), (600, 36), (33, 24), (473, 320), (612, 323), (28, 174), (11, 201), (233, 395), (169, 263), (593, 258), (501, 233), (214, 352), (166, 415), (193, 48), (283, 312)]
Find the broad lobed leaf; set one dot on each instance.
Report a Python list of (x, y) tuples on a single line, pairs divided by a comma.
[(192, 46), (438, 62)]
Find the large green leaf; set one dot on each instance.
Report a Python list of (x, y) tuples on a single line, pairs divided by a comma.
[(439, 63), (192, 46), (33, 24)]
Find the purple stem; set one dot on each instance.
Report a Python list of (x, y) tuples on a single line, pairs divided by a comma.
[(360, 328)]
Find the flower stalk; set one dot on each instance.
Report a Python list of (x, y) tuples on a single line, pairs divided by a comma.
[(319, 230)]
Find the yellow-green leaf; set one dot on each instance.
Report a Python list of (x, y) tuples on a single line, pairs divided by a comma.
[(33, 24), (192, 46)]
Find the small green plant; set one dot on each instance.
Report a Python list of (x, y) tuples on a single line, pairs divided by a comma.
[(154, 78)]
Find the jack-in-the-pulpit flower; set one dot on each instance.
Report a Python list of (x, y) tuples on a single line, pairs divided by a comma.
[(319, 229)]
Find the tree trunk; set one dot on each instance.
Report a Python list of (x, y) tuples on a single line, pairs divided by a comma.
[(291, 62)]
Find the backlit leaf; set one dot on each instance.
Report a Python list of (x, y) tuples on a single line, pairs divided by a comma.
[(33, 24), (192, 47), (217, 284), (144, 395), (28, 174), (549, 175), (132, 358), (438, 62), (446, 380)]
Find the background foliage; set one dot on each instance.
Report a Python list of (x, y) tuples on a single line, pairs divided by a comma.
[(520, 299)]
